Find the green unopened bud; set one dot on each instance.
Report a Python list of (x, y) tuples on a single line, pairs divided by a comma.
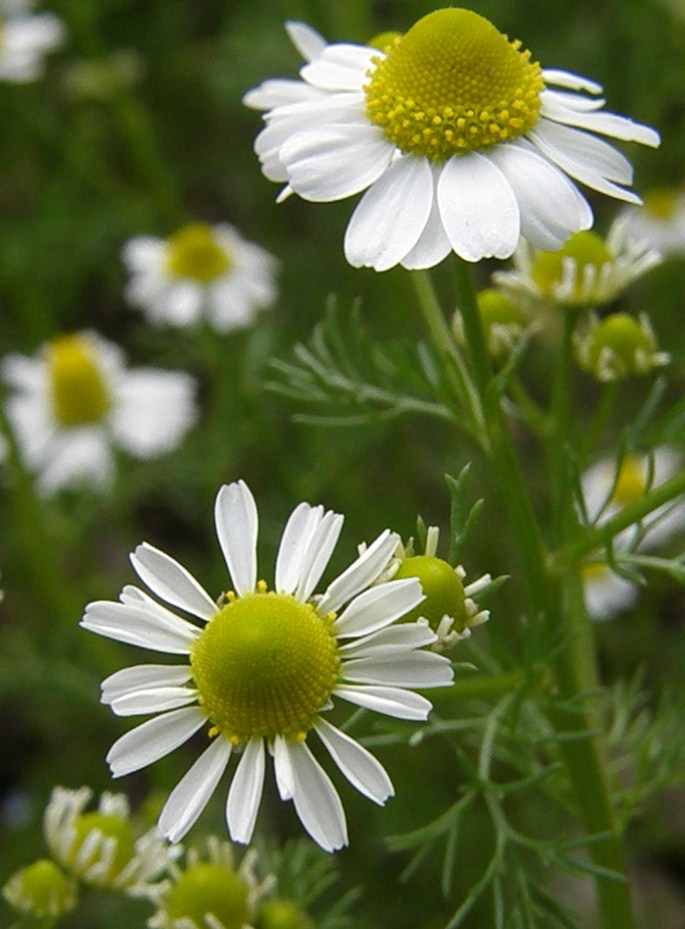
[(442, 589), (502, 321), (619, 346), (282, 914), (208, 887), (40, 890)]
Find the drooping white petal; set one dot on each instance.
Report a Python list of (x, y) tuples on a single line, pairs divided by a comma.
[(362, 572), (569, 101), (332, 162), (570, 80), (171, 581), (340, 67), (297, 534), (378, 607), (586, 158), (391, 701), (392, 214), (611, 124), (317, 555), (279, 92), (142, 626), (154, 739), (478, 208), (189, 797), (235, 515), (416, 669), (309, 43), (393, 640), (315, 798), (551, 207), (358, 765), (245, 792)]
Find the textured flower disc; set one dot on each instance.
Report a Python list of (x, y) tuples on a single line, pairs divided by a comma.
[(585, 248), (453, 84), (78, 392), (264, 666), (205, 888), (193, 252)]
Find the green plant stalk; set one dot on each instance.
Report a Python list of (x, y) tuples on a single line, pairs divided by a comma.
[(584, 757)]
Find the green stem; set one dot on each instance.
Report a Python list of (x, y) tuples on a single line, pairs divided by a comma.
[(573, 666)]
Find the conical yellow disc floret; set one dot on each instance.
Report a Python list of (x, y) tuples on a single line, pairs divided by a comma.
[(264, 666), (77, 389), (453, 84), (193, 252)]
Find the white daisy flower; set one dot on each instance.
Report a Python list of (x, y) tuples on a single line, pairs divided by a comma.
[(201, 272), (660, 224), (587, 270), (263, 667), (457, 137), (75, 400), (25, 39), (99, 847)]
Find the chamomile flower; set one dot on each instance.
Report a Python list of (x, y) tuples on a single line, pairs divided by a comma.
[(660, 223), (41, 891), (25, 38), (263, 667), (100, 847), (75, 401), (461, 141), (200, 272), (587, 270), (618, 346)]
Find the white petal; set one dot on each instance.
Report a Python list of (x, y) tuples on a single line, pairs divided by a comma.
[(306, 40), (154, 739), (358, 765), (152, 700), (340, 67), (282, 769), (391, 215), (570, 80), (392, 640), (334, 162), (551, 207), (378, 607), (294, 542), (141, 676), (588, 159), (392, 701), (154, 410), (246, 792), (171, 581), (235, 515), (360, 574), (318, 553), (419, 669), (433, 245), (316, 800), (478, 208), (190, 796), (280, 92), (142, 626), (611, 124)]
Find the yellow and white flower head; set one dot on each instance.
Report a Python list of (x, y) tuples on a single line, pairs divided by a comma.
[(75, 401), (461, 141), (606, 593), (618, 346), (660, 223), (263, 666), (41, 891), (199, 273), (25, 38), (587, 271), (503, 323), (100, 847), (448, 605), (210, 893)]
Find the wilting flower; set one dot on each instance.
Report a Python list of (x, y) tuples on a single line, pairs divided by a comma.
[(75, 400), (587, 270), (456, 135), (618, 346), (41, 891), (24, 40), (263, 668), (100, 847), (660, 224), (201, 272)]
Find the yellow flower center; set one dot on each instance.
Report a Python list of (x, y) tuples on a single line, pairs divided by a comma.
[(78, 391), (661, 202), (595, 571), (453, 84), (206, 888), (630, 481), (110, 826), (193, 252), (583, 248), (41, 890), (442, 589), (265, 665)]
